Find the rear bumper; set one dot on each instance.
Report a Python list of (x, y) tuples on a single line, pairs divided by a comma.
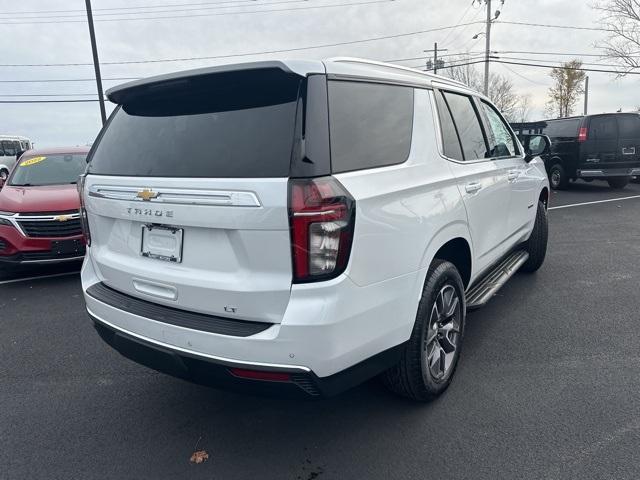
[(334, 333), (603, 173), (293, 381), (17, 249)]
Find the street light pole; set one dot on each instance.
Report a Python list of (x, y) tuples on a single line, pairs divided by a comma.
[(96, 62), (487, 49)]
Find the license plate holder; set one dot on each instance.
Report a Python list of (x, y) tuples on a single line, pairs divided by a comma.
[(162, 243), (66, 247)]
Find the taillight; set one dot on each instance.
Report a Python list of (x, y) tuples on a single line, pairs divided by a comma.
[(582, 135), (84, 222), (322, 218)]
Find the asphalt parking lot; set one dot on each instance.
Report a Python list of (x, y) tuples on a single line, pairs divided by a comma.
[(547, 387)]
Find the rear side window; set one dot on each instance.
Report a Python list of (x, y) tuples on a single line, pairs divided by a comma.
[(9, 147), (501, 143), (450, 141), (563, 128), (238, 125), (603, 128), (370, 125), (468, 125), (629, 126)]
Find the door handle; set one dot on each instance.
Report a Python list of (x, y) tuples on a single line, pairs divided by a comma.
[(473, 187), (513, 175)]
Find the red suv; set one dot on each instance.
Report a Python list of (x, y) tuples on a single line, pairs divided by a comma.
[(39, 203)]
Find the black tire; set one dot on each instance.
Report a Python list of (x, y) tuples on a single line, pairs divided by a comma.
[(618, 182), (413, 377), (4, 174), (536, 246), (558, 178)]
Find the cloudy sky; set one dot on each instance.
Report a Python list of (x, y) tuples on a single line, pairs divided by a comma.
[(224, 28)]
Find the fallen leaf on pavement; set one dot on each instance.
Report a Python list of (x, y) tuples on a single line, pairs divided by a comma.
[(200, 456)]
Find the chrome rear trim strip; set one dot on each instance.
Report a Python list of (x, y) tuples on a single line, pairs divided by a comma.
[(231, 198)]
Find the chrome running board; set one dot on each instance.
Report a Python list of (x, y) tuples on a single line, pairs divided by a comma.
[(483, 290)]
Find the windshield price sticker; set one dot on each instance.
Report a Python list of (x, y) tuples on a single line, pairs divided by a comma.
[(32, 161)]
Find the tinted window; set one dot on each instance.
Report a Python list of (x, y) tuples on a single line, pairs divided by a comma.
[(57, 169), (233, 125), (563, 128), (603, 128), (370, 125), (501, 143), (450, 141), (9, 147), (468, 125), (629, 126)]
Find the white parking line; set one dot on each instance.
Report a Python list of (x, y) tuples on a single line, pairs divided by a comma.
[(38, 278), (591, 203)]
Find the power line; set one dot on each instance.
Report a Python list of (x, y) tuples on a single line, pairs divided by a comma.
[(218, 7), (444, 42), (545, 25), (173, 17), (557, 61), (130, 7), (48, 95), (521, 76), (48, 101), (53, 80), (618, 72), (244, 54), (561, 53)]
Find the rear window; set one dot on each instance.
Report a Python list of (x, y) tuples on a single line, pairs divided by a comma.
[(629, 126), (563, 128), (230, 125), (370, 125), (603, 128)]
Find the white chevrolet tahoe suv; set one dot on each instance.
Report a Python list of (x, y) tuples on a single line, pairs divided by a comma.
[(302, 226)]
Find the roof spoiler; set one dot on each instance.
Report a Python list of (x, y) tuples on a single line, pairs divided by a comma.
[(122, 94)]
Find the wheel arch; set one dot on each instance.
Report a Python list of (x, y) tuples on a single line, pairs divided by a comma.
[(544, 197), (458, 252)]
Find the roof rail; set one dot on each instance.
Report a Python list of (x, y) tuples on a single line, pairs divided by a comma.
[(397, 67)]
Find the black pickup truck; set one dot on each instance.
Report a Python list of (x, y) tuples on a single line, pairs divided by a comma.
[(605, 147)]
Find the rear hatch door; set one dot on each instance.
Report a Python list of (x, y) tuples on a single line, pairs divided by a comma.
[(186, 194), (629, 140)]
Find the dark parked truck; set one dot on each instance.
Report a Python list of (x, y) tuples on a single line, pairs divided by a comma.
[(605, 147)]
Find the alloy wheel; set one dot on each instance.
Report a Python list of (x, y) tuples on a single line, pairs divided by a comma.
[(443, 333)]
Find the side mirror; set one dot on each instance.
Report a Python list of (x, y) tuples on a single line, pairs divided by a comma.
[(535, 146)]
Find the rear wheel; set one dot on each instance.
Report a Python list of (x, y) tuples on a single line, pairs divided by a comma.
[(430, 358), (558, 177), (618, 182), (4, 174), (536, 246)]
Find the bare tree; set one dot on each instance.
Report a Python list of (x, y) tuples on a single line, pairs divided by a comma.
[(522, 110), (568, 87), (501, 90), (622, 20)]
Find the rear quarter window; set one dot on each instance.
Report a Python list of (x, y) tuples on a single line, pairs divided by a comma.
[(563, 128), (370, 124), (629, 126)]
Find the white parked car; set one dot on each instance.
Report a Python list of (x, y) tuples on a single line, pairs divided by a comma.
[(11, 147), (303, 226)]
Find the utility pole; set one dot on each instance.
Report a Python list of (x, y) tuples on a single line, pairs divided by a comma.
[(487, 48), (586, 95), (96, 62), (435, 65)]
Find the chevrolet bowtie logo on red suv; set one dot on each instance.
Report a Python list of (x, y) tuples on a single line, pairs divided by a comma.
[(62, 218)]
